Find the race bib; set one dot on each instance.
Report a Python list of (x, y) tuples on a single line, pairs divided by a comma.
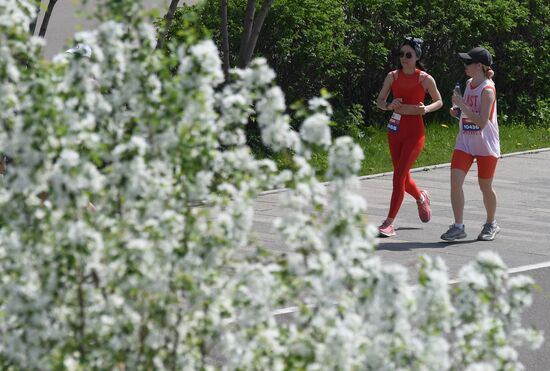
[(393, 125), (469, 127)]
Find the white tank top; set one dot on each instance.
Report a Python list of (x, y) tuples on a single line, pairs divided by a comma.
[(471, 138)]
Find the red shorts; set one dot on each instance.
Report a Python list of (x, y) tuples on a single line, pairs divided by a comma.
[(486, 165)]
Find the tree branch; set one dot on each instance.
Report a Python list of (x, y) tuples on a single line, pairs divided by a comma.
[(248, 24), (174, 351), (32, 26), (225, 39), (46, 19), (168, 21), (258, 23), (82, 313)]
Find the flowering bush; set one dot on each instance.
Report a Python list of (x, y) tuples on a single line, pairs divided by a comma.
[(167, 274)]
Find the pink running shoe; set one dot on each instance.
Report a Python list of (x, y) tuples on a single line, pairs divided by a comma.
[(424, 211), (386, 230)]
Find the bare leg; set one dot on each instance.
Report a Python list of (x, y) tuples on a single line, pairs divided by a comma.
[(489, 198), (457, 194)]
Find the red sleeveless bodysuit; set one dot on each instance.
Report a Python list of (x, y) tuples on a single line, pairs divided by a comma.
[(405, 137), (410, 89)]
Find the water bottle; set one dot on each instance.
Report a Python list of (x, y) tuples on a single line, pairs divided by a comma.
[(458, 90)]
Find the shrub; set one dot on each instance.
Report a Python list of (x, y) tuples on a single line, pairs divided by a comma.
[(166, 274), (349, 46)]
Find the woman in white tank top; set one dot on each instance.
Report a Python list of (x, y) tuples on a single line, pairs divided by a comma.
[(477, 139)]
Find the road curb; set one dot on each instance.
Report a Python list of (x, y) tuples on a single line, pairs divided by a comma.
[(416, 170)]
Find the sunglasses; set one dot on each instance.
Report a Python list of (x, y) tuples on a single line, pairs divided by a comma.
[(407, 54), (468, 62)]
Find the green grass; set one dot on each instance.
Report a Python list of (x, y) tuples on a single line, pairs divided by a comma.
[(440, 142), (438, 148)]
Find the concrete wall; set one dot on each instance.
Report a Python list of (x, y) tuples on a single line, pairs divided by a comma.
[(64, 21)]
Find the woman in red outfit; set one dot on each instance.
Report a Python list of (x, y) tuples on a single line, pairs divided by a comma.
[(408, 85)]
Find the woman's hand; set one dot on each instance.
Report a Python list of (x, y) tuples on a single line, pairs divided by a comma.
[(453, 111), (421, 109), (395, 104), (458, 100)]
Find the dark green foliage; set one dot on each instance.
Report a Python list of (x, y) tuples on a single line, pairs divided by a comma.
[(348, 46), (186, 27)]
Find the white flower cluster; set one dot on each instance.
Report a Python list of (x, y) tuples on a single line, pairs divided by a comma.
[(166, 273)]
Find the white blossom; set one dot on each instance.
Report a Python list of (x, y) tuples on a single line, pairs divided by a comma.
[(344, 158), (319, 104), (315, 130), (167, 272)]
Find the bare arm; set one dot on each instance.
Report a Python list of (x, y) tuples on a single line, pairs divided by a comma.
[(381, 101), (408, 109), (437, 102), (487, 99)]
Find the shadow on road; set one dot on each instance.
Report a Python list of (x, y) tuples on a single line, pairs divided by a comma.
[(409, 246)]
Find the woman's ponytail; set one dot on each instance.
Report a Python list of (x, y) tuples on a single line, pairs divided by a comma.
[(489, 73)]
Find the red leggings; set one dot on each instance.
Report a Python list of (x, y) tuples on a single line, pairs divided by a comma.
[(404, 152)]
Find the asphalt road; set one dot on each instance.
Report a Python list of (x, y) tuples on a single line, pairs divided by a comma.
[(522, 183), (64, 22), (538, 316)]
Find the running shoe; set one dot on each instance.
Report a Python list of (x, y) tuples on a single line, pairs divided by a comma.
[(489, 232), (424, 211), (386, 230), (454, 233)]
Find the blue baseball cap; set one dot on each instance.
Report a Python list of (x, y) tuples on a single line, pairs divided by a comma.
[(478, 55)]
